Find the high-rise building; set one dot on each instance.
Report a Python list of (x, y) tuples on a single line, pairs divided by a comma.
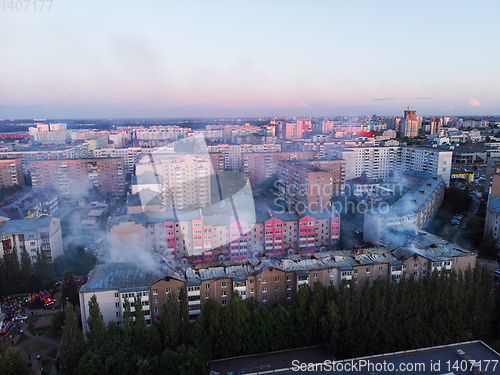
[(436, 126), (11, 172), (384, 162), (311, 185), (76, 177), (183, 180)]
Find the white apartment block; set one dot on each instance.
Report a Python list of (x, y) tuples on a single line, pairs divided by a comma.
[(43, 234), (74, 152), (129, 155), (184, 179), (233, 153), (383, 162), (112, 284)]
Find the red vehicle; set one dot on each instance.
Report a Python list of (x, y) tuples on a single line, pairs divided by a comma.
[(45, 297)]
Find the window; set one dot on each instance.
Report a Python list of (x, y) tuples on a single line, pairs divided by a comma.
[(179, 288), (277, 288), (224, 303), (155, 301), (355, 279), (315, 275), (277, 297), (415, 274), (289, 278), (117, 313), (155, 292), (224, 294), (167, 290), (355, 272), (381, 269), (277, 279), (264, 299), (288, 296), (251, 290), (117, 295), (223, 285), (117, 304), (264, 280), (157, 310), (288, 287), (207, 295), (415, 265), (251, 281), (368, 278), (207, 286), (368, 270), (331, 274)]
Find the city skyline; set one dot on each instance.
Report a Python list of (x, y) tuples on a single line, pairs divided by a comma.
[(259, 59)]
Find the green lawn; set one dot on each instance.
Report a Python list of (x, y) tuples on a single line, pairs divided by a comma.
[(53, 353), (22, 339), (36, 347)]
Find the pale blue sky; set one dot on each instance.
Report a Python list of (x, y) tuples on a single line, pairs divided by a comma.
[(249, 58)]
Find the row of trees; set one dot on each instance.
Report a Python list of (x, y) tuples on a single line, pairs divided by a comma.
[(385, 317), (24, 276)]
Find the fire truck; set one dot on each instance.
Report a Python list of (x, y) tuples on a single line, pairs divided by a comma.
[(45, 297)]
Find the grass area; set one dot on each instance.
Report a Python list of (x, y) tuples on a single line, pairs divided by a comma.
[(4, 344), (36, 347), (53, 353), (48, 364), (40, 331), (31, 323), (22, 339)]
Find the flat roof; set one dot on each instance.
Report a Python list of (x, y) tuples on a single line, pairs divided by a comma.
[(423, 358)]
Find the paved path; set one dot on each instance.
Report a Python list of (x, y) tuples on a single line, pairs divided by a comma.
[(36, 365)]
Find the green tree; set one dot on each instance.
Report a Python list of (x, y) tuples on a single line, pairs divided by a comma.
[(127, 319), (27, 284), (71, 348), (95, 323), (489, 246), (69, 289), (183, 314), (190, 361), (90, 364), (169, 322), (57, 323), (12, 363), (43, 271)]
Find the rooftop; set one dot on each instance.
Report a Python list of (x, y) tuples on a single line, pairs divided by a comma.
[(120, 276), (17, 226)]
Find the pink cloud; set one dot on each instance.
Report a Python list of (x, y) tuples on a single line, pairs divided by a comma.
[(474, 103), (302, 105)]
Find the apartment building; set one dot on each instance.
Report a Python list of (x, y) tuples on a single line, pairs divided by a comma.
[(259, 167), (205, 235), (43, 234), (183, 179), (428, 159), (414, 210), (76, 177), (383, 162), (311, 185), (268, 280), (29, 206), (11, 172), (113, 284), (233, 153), (129, 155), (172, 133), (55, 153)]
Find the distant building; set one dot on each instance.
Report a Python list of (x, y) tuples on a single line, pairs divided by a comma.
[(11, 172), (76, 177), (43, 234)]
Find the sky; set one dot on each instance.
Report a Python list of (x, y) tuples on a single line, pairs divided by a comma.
[(218, 58)]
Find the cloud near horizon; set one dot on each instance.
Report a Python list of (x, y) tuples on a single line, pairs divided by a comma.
[(474, 103)]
